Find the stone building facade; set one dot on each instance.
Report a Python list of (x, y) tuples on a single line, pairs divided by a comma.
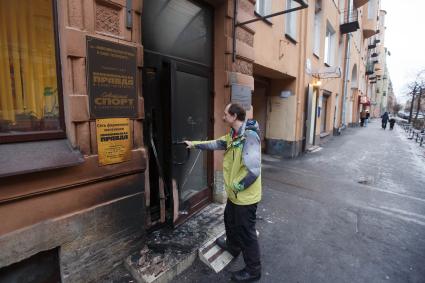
[(62, 211), (74, 217)]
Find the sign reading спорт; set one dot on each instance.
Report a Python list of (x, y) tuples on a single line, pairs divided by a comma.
[(111, 79)]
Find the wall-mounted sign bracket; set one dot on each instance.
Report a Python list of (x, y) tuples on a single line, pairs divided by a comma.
[(129, 15), (302, 3)]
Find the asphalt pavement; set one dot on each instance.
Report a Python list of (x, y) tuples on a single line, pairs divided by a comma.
[(353, 211)]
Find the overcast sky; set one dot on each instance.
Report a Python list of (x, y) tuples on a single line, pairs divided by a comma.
[(405, 39)]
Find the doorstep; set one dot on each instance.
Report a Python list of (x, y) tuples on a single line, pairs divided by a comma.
[(324, 135), (314, 148), (168, 252)]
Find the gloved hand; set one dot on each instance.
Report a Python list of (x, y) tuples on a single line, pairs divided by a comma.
[(236, 188)]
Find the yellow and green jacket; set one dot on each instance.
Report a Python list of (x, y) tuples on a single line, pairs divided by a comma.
[(242, 162)]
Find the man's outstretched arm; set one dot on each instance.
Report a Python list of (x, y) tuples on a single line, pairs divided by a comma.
[(218, 144)]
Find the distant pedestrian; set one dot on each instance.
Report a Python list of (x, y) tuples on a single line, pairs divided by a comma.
[(392, 122), (366, 121), (362, 118), (385, 119), (242, 179)]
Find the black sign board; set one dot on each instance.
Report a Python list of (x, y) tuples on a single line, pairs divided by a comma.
[(111, 79)]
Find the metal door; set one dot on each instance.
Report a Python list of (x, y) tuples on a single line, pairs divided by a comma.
[(323, 114), (179, 107), (311, 117), (190, 120)]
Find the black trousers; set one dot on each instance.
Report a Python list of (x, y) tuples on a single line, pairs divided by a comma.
[(239, 221), (384, 125)]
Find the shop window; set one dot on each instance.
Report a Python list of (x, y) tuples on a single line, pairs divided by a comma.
[(30, 93), (291, 20)]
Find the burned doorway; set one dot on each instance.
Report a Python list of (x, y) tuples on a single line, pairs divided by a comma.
[(177, 88)]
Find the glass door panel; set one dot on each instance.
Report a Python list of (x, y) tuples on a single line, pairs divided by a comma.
[(189, 121)]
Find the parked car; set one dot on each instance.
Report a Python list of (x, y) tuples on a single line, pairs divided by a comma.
[(403, 115)]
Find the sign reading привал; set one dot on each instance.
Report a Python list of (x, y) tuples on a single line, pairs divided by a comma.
[(113, 140), (111, 79)]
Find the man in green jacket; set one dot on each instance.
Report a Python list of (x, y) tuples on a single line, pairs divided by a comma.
[(242, 181)]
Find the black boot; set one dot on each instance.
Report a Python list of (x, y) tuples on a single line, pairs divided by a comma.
[(245, 276), (221, 242)]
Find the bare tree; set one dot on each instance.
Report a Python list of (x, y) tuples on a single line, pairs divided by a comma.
[(416, 88), (412, 87), (418, 108)]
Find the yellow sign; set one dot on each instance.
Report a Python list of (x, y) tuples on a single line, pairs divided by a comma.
[(113, 140)]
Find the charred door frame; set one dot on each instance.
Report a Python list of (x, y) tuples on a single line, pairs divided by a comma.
[(166, 213), (169, 202)]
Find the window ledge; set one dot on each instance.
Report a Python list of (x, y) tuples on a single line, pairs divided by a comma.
[(29, 157), (290, 38)]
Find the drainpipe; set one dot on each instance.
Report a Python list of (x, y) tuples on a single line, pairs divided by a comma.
[(347, 69), (347, 72)]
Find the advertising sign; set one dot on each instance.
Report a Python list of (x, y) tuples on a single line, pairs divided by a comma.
[(111, 79), (113, 140)]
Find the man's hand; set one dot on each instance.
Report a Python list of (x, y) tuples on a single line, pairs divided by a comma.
[(237, 187), (189, 144)]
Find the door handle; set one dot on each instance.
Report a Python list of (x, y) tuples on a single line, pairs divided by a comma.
[(182, 143)]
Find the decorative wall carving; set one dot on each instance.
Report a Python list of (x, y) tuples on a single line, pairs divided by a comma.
[(107, 19), (243, 67), (245, 36), (246, 6)]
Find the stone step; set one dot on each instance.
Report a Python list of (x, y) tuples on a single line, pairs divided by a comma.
[(214, 256), (314, 148)]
